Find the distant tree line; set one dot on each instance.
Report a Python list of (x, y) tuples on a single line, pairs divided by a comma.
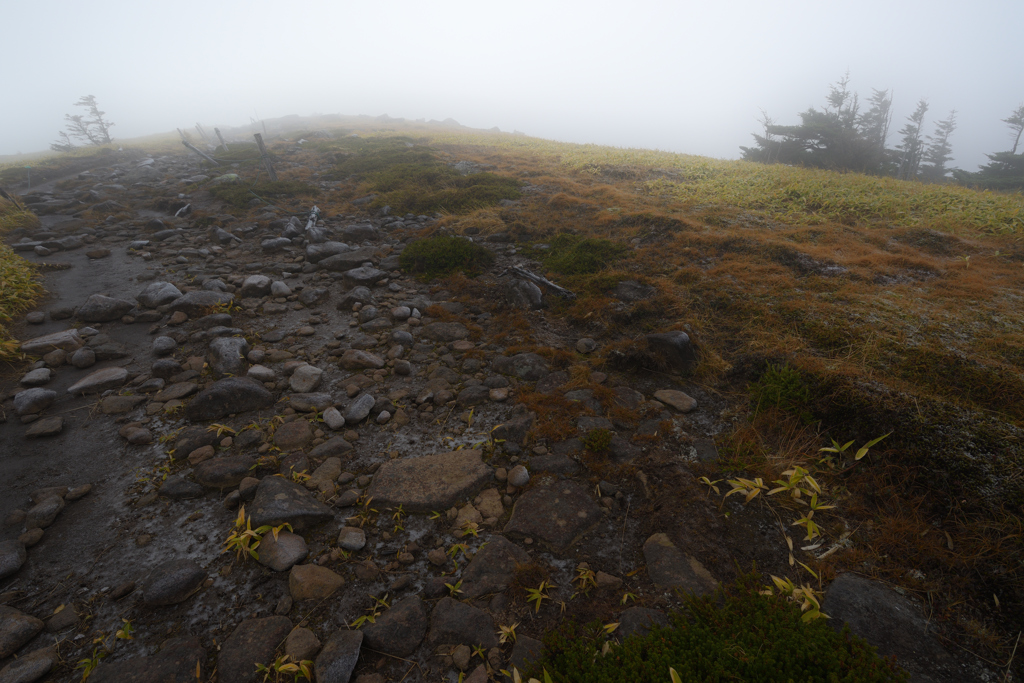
[(846, 135)]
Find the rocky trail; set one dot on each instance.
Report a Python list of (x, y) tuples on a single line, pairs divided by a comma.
[(376, 432)]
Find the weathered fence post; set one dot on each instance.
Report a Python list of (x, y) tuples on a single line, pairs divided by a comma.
[(221, 138), (200, 152), (266, 157)]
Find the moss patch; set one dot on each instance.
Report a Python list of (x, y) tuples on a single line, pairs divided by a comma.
[(438, 256), (574, 255)]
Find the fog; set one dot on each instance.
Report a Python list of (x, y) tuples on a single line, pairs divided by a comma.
[(680, 76)]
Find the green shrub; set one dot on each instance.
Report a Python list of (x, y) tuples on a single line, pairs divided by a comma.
[(238, 194), (782, 387), (734, 635), (598, 440), (574, 255), (437, 256)]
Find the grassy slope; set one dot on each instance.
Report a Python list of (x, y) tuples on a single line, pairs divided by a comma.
[(897, 303)]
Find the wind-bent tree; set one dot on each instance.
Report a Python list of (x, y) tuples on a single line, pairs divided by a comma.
[(911, 147), (1005, 170), (91, 127), (939, 151)]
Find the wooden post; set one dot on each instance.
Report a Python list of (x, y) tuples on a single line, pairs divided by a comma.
[(221, 138), (266, 157), (184, 138), (202, 133), (200, 152)]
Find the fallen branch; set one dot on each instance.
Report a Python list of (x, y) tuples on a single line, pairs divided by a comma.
[(200, 152), (537, 279)]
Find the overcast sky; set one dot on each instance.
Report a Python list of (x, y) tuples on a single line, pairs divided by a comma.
[(682, 76)]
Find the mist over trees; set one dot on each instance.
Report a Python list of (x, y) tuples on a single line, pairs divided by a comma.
[(91, 128), (846, 135)]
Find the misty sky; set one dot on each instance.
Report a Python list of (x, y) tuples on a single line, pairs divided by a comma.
[(681, 76)]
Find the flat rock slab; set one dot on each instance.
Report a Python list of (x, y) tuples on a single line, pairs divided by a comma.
[(252, 642), (400, 630), (431, 482), (101, 309), (12, 556), (669, 568), (677, 399), (115, 405), (68, 340), (554, 514), (176, 392), (282, 553), (99, 381), (892, 624), (293, 435), (456, 623), (172, 582), (16, 629), (338, 657), (526, 651), (228, 396), (492, 568), (223, 473), (175, 662), (47, 426), (312, 582), (30, 667), (279, 501), (197, 302)]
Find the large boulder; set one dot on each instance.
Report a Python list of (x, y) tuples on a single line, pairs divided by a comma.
[(228, 396), (101, 309), (280, 501), (67, 340), (157, 294), (227, 356), (197, 302)]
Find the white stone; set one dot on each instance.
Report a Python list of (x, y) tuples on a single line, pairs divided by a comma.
[(333, 418)]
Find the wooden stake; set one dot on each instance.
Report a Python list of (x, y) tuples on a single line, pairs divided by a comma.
[(266, 157), (221, 138), (200, 152), (202, 133)]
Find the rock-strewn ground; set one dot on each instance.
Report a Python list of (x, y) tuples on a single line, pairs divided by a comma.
[(190, 368)]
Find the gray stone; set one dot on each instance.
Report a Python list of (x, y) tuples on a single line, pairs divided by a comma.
[(352, 538), (16, 629), (43, 513), (99, 381), (313, 582), (676, 399), (473, 395), (175, 662), (305, 379), (294, 435), (556, 515), (359, 409), (223, 473), (891, 623), (172, 582), (12, 556), (31, 667), (341, 263), (338, 657), (318, 252), (526, 651), (255, 286), (47, 426), (227, 356), (309, 403), (197, 302), (228, 396), (176, 392), (492, 568), (631, 291), (31, 401), (278, 288), (253, 642), (456, 623), (333, 418), (355, 359), (366, 276), (518, 476), (68, 340), (157, 294), (360, 232), (333, 447), (36, 378), (275, 243), (430, 482), (301, 644), (357, 295), (400, 630), (282, 553), (311, 296), (445, 332), (83, 358), (100, 309), (280, 501), (164, 345), (670, 569), (674, 350), (178, 487)]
